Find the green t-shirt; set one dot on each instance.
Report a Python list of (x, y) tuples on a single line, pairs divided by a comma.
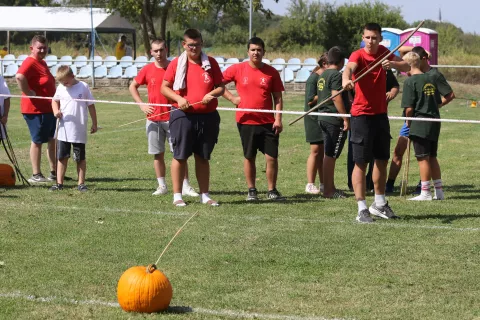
[(310, 89), (329, 80), (421, 93), (439, 79)]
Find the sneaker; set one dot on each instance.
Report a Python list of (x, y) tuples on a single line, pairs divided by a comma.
[(189, 191), (82, 188), (37, 178), (418, 189), (422, 197), (252, 194), (56, 187), (52, 176), (386, 212), (275, 195), (312, 189), (338, 194), (364, 216), (160, 190)]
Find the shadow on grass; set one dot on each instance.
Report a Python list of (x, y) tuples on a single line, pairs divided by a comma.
[(444, 218), (124, 189), (177, 310), (109, 179)]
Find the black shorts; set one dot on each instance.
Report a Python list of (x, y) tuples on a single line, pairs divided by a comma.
[(258, 137), (64, 148), (370, 137), (424, 147), (333, 138), (193, 133)]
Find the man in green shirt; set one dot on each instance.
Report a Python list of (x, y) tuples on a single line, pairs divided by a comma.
[(334, 128), (421, 99), (313, 132)]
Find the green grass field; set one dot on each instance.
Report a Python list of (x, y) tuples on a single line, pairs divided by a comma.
[(61, 254)]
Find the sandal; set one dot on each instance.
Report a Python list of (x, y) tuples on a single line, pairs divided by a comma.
[(212, 203), (179, 203)]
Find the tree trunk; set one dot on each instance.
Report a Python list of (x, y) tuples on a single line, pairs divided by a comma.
[(163, 19), (148, 29)]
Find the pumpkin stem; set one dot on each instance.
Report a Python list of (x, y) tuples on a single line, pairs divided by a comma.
[(151, 268)]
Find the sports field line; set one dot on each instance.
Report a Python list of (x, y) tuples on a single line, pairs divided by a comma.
[(104, 209), (250, 217), (177, 310)]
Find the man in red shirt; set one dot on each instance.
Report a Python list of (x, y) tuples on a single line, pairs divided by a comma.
[(194, 82), (34, 79), (370, 128), (256, 84), (157, 116)]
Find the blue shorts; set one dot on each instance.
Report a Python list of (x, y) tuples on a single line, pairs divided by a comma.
[(404, 131), (41, 126)]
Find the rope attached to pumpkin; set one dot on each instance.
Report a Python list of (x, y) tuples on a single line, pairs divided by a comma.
[(171, 240)]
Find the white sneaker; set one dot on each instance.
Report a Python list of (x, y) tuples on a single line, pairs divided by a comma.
[(160, 190), (312, 189), (422, 197), (439, 197), (37, 178), (189, 191)]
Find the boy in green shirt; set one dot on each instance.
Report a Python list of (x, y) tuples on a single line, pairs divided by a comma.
[(421, 99), (334, 129)]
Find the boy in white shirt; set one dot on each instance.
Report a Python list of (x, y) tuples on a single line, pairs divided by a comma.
[(72, 124), (4, 106)]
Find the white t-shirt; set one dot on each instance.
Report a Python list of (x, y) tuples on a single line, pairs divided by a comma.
[(73, 125), (3, 90)]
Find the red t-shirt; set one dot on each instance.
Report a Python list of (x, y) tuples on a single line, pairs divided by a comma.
[(255, 87), (198, 83), (370, 90), (152, 76), (39, 80)]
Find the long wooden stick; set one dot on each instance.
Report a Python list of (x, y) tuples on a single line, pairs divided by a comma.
[(360, 77), (406, 169), (156, 115)]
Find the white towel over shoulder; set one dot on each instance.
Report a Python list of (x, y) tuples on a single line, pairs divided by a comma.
[(181, 72)]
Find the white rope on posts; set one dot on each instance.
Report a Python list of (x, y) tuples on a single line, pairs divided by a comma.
[(338, 115)]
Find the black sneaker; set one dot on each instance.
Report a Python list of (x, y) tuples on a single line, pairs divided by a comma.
[(56, 187), (384, 212), (364, 216), (82, 188), (252, 194), (275, 195)]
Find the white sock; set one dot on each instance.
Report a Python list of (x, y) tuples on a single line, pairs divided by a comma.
[(205, 197), (425, 188), (177, 196), (438, 187), (186, 183), (161, 181), (380, 200), (362, 205)]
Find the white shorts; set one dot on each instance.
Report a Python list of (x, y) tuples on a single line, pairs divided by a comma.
[(157, 132)]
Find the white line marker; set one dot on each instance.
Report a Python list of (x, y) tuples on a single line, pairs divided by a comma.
[(378, 224), (186, 310)]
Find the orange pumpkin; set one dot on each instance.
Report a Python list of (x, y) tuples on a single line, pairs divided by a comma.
[(144, 289), (7, 175)]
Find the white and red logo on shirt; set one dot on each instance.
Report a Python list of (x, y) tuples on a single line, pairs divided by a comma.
[(206, 77), (263, 81)]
